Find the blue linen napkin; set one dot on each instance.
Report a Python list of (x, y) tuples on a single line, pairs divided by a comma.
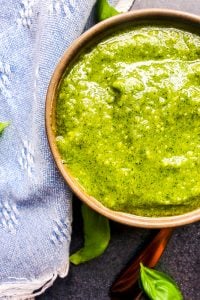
[(35, 203)]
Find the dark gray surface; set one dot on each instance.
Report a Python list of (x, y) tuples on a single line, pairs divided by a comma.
[(92, 280), (192, 6), (181, 259)]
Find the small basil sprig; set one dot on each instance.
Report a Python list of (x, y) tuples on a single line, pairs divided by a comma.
[(96, 235), (3, 125), (105, 10), (158, 286)]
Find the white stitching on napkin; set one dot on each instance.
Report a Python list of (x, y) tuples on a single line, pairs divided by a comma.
[(8, 215), (63, 7), (61, 232), (25, 14), (5, 72), (26, 159)]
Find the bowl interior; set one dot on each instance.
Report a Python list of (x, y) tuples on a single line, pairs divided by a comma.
[(95, 34)]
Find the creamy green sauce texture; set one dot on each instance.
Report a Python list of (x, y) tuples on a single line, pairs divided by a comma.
[(128, 121)]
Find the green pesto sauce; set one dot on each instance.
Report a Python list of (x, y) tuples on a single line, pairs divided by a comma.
[(128, 121)]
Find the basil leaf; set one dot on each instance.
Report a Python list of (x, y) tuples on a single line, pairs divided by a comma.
[(158, 286), (3, 125), (96, 235), (105, 10)]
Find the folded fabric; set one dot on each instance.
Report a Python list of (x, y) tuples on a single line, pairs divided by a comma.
[(35, 203)]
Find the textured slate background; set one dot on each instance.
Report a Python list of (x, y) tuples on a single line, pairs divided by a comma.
[(181, 259)]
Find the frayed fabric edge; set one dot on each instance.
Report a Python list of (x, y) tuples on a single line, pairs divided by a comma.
[(25, 290)]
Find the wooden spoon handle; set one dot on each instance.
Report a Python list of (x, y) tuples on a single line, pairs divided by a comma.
[(127, 282)]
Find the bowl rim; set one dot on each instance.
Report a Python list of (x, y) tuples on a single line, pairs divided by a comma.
[(69, 54)]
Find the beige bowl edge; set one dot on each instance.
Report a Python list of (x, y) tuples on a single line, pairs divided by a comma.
[(124, 218)]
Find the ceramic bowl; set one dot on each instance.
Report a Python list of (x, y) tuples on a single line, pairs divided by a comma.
[(175, 18)]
